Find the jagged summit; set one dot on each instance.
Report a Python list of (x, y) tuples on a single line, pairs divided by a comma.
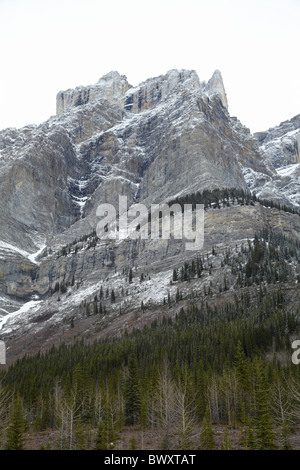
[(215, 86), (115, 88), (113, 75), (110, 87), (282, 143), (155, 90)]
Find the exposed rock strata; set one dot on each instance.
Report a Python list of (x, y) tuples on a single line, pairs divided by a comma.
[(170, 136)]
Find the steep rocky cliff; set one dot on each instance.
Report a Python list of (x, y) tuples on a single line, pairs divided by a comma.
[(282, 143), (280, 147), (169, 135)]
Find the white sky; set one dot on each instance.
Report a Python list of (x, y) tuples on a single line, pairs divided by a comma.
[(53, 45)]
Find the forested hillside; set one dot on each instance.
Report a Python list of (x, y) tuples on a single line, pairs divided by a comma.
[(218, 374)]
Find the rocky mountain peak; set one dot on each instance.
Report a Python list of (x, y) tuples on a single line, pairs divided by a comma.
[(282, 143), (115, 89), (154, 90), (112, 76), (215, 86), (111, 87)]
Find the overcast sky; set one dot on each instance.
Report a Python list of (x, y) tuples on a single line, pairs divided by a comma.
[(53, 45)]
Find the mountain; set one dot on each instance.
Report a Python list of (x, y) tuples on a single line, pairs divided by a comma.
[(282, 142), (171, 138), (280, 147)]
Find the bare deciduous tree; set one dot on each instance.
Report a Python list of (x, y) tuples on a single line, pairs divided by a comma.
[(165, 399), (66, 413), (213, 396), (184, 409), (230, 395)]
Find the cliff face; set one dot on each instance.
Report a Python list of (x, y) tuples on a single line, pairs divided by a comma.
[(44, 320), (170, 136), (215, 86), (282, 143), (280, 148), (111, 87)]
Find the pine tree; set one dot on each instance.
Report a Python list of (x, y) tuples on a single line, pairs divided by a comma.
[(207, 440), (244, 425), (198, 268), (263, 425), (242, 369), (47, 415), (164, 445), (132, 394), (15, 433), (106, 433), (101, 437), (251, 441), (80, 443), (226, 443), (285, 431), (133, 444), (143, 420)]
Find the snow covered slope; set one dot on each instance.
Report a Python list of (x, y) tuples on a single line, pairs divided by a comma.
[(280, 146)]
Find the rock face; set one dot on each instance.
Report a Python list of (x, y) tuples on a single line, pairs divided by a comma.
[(111, 87), (155, 91), (38, 324), (215, 86), (17, 274), (34, 180), (280, 148), (170, 136), (282, 143)]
